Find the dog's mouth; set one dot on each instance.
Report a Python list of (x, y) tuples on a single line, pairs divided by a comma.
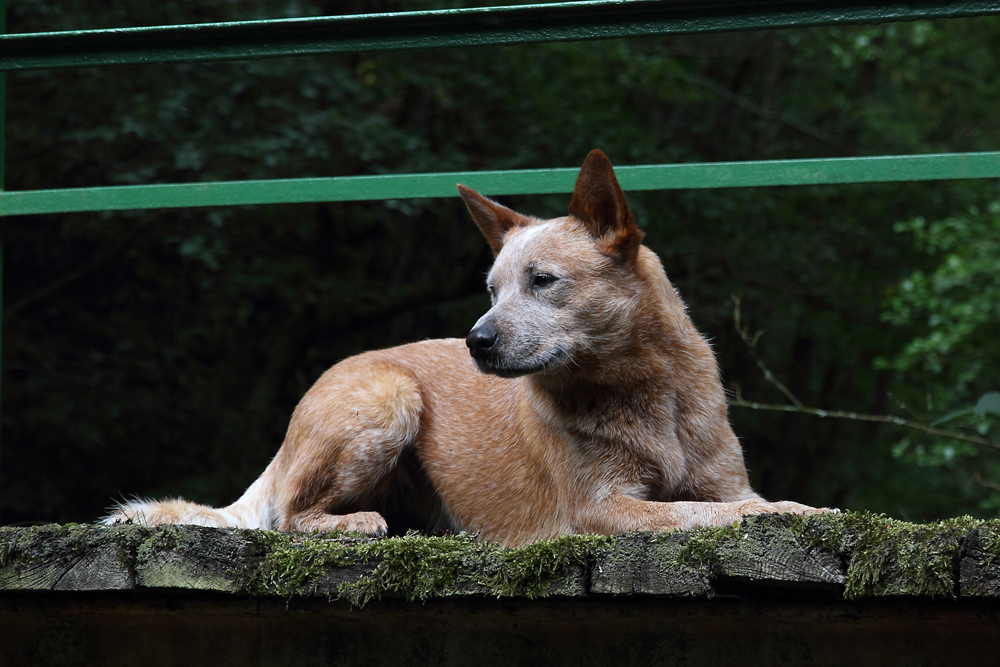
[(505, 369)]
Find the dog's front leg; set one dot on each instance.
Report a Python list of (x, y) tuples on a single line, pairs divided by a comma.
[(621, 514)]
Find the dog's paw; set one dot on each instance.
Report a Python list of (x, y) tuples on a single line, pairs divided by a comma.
[(754, 507), (820, 510), (366, 523), (798, 508)]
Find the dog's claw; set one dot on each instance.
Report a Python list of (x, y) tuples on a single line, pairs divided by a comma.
[(368, 523), (755, 507)]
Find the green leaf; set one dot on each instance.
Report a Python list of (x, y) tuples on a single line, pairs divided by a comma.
[(988, 404)]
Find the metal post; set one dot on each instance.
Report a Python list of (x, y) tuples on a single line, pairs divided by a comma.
[(3, 113)]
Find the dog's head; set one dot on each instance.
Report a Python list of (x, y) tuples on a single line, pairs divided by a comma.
[(564, 291)]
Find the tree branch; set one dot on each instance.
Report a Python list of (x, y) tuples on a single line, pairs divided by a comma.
[(978, 479), (799, 407), (757, 110), (751, 342)]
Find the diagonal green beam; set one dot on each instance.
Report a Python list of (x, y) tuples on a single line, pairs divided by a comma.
[(563, 21), (944, 166)]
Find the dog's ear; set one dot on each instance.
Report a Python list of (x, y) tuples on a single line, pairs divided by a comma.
[(493, 219), (598, 201)]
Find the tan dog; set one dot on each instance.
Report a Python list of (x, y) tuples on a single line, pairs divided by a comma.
[(596, 406)]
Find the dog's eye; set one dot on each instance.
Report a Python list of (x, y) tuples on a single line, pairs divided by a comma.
[(542, 280)]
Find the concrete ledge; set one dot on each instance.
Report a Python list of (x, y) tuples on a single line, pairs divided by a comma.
[(853, 588)]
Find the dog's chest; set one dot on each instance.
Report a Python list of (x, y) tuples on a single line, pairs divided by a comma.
[(628, 441), (615, 415)]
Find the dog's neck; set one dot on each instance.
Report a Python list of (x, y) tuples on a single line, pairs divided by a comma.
[(643, 362), (640, 369)]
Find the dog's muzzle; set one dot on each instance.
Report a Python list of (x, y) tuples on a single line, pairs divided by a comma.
[(481, 340)]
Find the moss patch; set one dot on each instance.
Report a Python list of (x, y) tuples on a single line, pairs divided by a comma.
[(128, 538), (415, 567), (73, 557), (292, 563), (700, 550), (42, 543), (886, 556), (989, 538), (531, 570), (13, 543), (880, 556)]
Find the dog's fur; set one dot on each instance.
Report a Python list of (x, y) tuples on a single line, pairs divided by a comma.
[(596, 406)]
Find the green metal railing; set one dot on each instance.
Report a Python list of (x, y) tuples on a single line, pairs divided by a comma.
[(3, 153), (942, 166), (598, 19)]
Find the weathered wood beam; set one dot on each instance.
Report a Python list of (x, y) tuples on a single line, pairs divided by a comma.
[(857, 555)]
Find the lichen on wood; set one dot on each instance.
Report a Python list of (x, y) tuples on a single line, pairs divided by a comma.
[(862, 554), (293, 563), (70, 557), (888, 557), (416, 567), (413, 566), (881, 556)]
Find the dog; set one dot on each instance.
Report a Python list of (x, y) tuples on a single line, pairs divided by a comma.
[(586, 402)]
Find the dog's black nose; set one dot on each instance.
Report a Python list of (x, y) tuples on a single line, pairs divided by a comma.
[(481, 339)]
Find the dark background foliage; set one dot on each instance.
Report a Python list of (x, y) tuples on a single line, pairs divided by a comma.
[(161, 352)]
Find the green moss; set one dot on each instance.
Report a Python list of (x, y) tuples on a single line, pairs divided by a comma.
[(413, 567), (40, 542), (886, 556), (12, 542), (531, 570), (700, 549), (171, 537), (54, 543), (989, 538), (882, 556), (416, 567), (292, 563), (128, 539)]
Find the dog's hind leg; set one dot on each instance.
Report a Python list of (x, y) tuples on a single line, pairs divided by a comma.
[(343, 445)]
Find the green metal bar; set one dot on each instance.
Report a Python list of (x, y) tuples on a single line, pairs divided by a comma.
[(944, 166), (564, 21)]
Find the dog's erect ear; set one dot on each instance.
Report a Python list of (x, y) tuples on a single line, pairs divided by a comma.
[(598, 201), (493, 219)]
